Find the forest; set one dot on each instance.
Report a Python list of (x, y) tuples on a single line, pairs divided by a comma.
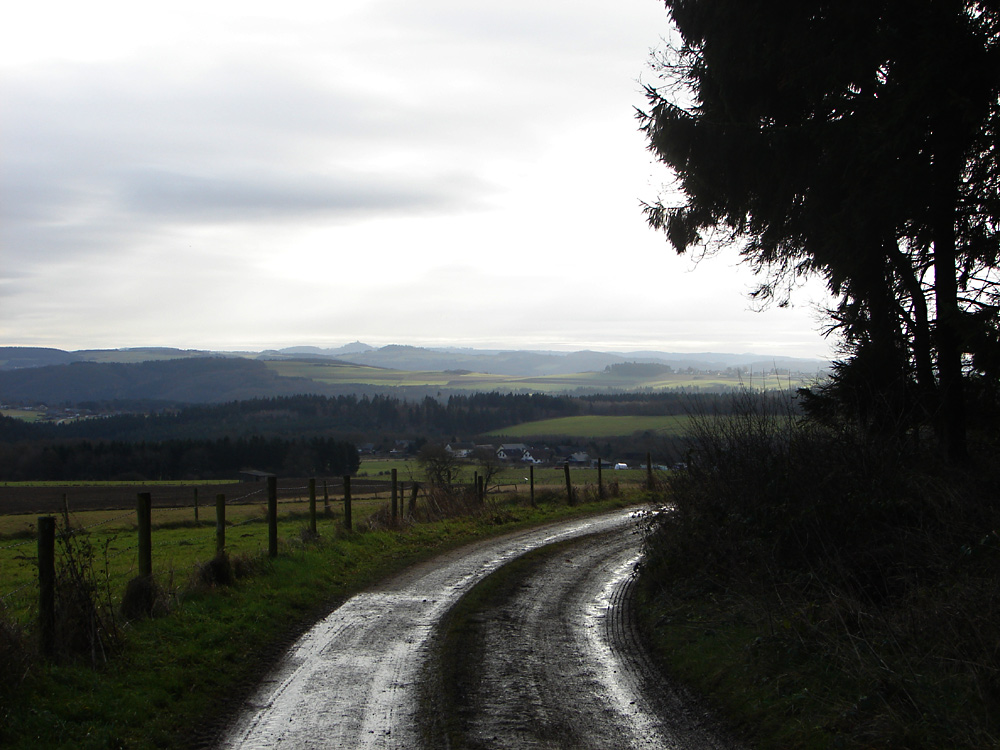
[(224, 458), (291, 434)]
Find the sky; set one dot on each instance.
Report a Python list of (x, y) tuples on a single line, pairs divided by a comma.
[(253, 175)]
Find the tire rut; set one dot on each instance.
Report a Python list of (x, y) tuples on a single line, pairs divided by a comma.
[(353, 679), (546, 654)]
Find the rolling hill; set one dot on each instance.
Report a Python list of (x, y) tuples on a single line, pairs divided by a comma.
[(53, 376)]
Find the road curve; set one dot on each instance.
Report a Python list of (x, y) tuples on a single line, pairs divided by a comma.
[(353, 680), (551, 658)]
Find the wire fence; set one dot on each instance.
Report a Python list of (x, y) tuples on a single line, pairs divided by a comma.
[(19, 558), (83, 514)]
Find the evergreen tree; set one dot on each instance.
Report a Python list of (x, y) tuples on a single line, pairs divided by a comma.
[(858, 140)]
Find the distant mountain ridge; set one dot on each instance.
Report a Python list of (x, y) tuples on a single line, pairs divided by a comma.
[(535, 363), (34, 375), (402, 357)]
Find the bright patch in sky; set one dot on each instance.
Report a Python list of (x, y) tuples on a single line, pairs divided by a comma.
[(253, 175)]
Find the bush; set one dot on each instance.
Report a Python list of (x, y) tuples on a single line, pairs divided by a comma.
[(85, 623), (871, 558)]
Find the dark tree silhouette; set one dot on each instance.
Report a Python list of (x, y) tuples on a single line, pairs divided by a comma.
[(856, 140)]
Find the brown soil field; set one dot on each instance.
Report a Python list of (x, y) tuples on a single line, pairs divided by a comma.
[(21, 499)]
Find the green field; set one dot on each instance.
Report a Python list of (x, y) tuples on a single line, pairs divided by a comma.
[(597, 427), (27, 416), (339, 373)]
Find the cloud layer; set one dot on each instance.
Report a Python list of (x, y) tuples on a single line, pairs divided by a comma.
[(253, 174)]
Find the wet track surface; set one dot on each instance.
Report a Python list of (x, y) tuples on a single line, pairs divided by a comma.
[(558, 665)]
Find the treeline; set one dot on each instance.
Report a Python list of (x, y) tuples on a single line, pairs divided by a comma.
[(357, 418), (297, 416), (289, 435), (82, 460)]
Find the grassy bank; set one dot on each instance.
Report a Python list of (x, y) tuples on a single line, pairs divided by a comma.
[(174, 679)]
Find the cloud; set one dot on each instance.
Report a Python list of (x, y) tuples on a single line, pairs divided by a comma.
[(265, 197), (370, 168)]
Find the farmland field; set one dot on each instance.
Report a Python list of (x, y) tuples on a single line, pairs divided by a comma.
[(597, 427), (339, 373), (26, 415)]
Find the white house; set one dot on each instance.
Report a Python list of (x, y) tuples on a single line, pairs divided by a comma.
[(535, 455), (460, 450), (511, 451)]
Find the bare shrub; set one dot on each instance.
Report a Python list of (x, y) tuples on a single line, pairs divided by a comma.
[(382, 519), (441, 501), (85, 621)]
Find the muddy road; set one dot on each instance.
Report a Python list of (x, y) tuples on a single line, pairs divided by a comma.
[(551, 661)]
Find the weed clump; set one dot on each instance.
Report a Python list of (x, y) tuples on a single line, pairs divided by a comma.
[(144, 598), (216, 572), (15, 655), (245, 565)]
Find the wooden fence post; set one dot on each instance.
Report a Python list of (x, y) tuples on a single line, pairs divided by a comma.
[(272, 516), (395, 496), (411, 511), (569, 485), (531, 479), (347, 502), (47, 583), (144, 516), (326, 499), (220, 524), (649, 471), (600, 479), (66, 511), (312, 505), (480, 490), (196, 505)]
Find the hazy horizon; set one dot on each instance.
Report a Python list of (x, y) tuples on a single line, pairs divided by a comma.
[(252, 176)]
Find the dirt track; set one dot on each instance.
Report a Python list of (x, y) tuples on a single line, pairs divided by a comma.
[(555, 666), (553, 660)]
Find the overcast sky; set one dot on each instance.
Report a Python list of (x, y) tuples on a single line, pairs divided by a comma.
[(249, 175)]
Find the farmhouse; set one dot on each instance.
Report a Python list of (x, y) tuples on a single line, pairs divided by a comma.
[(536, 455), (460, 450), (511, 451)]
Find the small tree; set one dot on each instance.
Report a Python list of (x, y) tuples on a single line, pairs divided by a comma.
[(439, 466), (487, 463)]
